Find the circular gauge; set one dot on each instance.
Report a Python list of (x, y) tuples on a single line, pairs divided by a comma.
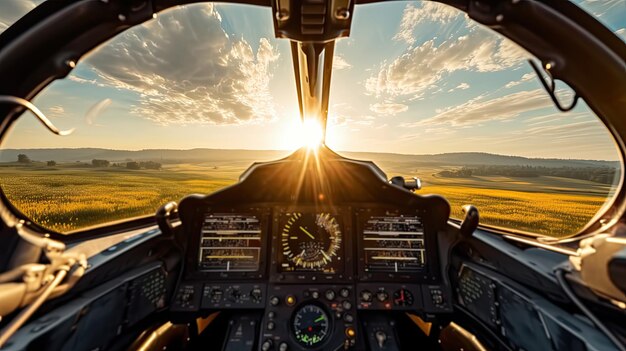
[(311, 241), (311, 325), (403, 297)]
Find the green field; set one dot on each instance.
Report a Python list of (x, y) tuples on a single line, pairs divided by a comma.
[(66, 197)]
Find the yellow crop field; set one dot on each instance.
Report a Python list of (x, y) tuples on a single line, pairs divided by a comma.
[(70, 199), (66, 198), (554, 214)]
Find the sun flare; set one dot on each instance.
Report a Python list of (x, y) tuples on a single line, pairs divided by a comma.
[(311, 133), (307, 133)]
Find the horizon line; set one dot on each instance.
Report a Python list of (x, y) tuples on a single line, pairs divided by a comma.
[(338, 151)]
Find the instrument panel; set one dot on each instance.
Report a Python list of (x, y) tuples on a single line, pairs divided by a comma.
[(229, 243), (312, 269), (374, 249), (312, 257), (310, 242), (394, 244)]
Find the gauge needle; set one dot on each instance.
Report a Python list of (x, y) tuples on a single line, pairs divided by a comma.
[(319, 319), (325, 255), (307, 233)]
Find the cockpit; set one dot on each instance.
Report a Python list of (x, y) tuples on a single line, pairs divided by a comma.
[(312, 175)]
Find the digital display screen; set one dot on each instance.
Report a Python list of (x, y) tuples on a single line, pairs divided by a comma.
[(393, 244), (230, 243), (522, 325), (310, 242), (478, 294)]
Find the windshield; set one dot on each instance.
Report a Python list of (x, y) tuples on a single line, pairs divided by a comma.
[(179, 105), (186, 102), (12, 10), (443, 99)]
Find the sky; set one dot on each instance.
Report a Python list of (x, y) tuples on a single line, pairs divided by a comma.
[(424, 80)]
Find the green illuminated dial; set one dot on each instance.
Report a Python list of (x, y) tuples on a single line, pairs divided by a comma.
[(311, 325)]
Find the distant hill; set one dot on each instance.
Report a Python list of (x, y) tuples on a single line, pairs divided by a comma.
[(480, 158), (163, 156), (228, 155)]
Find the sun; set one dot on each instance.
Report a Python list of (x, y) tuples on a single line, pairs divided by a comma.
[(312, 133), (300, 133)]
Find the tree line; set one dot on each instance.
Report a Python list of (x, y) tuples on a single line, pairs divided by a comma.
[(23, 158), (604, 175), (128, 164)]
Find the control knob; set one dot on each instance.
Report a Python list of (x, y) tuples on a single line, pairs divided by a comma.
[(329, 294), (216, 295), (256, 295), (437, 297), (267, 345), (234, 294), (366, 296)]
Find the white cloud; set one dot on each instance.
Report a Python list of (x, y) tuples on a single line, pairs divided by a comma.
[(430, 134), (364, 120), (340, 63), (525, 78), (426, 11), (344, 114), (12, 10), (56, 111), (388, 108), (187, 70), (462, 86), (599, 8), (562, 130), (339, 114), (81, 80), (542, 118), (571, 139), (480, 110), (421, 68)]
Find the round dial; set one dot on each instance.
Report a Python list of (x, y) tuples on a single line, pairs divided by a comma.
[(403, 297), (311, 325), (311, 241)]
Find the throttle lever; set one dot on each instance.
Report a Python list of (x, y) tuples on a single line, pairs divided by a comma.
[(163, 217), (470, 221), (381, 337)]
